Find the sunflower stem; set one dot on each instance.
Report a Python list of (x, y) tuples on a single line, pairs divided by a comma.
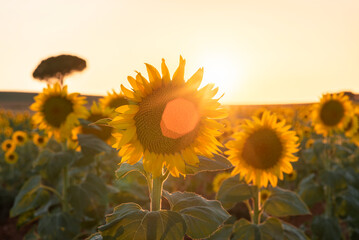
[(65, 183), (156, 195), (256, 211), (64, 188)]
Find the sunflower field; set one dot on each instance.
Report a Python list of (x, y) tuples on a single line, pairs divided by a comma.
[(164, 159)]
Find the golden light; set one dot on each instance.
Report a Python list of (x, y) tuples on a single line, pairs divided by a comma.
[(225, 71)]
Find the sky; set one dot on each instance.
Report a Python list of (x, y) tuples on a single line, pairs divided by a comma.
[(255, 51)]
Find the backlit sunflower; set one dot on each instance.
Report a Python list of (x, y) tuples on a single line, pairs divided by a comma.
[(113, 100), (263, 150), (168, 121), (39, 140), (57, 111), (332, 113), (8, 145), (19, 137), (11, 157), (102, 132)]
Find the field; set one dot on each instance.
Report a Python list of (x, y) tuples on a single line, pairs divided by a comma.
[(254, 178)]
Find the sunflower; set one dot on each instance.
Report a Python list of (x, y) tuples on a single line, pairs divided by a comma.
[(11, 157), (39, 140), (292, 176), (8, 145), (263, 150), (102, 132), (19, 137), (57, 111), (218, 179), (309, 143), (113, 100), (264, 194), (169, 121), (332, 113)]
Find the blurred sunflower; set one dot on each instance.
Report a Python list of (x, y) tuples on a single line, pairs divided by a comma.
[(102, 132), (292, 176), (19, 137), (218, 179), (309, 143), (39, 140), (264, 194), (113, 100), (332, 113), (169, 122), (351, 128), (263, 150), (8, 145), (11, 157), (57, 111)]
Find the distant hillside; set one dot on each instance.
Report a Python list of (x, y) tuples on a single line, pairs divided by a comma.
[(21, 101)]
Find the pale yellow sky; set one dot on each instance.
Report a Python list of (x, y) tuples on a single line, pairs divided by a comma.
[(255, 51)]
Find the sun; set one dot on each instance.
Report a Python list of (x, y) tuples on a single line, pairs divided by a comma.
[(225, 71)]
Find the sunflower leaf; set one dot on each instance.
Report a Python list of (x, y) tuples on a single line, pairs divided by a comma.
[(270, 229), (233, 191), (129, 221), (326, 228), (292, 233), (283, 203), (218, 163), (126, 168), (92, 145), (31, 196), (202, 216), (222, 233), (101, 122)]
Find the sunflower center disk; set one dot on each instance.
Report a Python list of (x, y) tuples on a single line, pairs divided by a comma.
[(117, 102), (179, 118), (262, 149), (167, 120), (56, 109), (332, 113)]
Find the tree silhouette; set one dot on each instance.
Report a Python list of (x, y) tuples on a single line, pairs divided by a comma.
[(58, 67)]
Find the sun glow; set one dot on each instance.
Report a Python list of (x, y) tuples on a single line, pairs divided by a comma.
[(225, 72)]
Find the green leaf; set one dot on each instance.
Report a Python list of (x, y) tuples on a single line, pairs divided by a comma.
[(293, 233), (92, 145), (57, 163), (218, 163), (334, 179), (282, 203), (325, 228), (126, 168), (222, 233), (310, 191), (233, 191), (43, 158), (271, 229), (202, 216), (129, 221), (30, 196), (58, 226)]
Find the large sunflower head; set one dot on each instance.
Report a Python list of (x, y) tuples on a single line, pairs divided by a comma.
[(57, 111), (332, 113), (11, 157), (263, 150), (102, 132), (113, 100), (8, 145), (19, 137), (169, 121)]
